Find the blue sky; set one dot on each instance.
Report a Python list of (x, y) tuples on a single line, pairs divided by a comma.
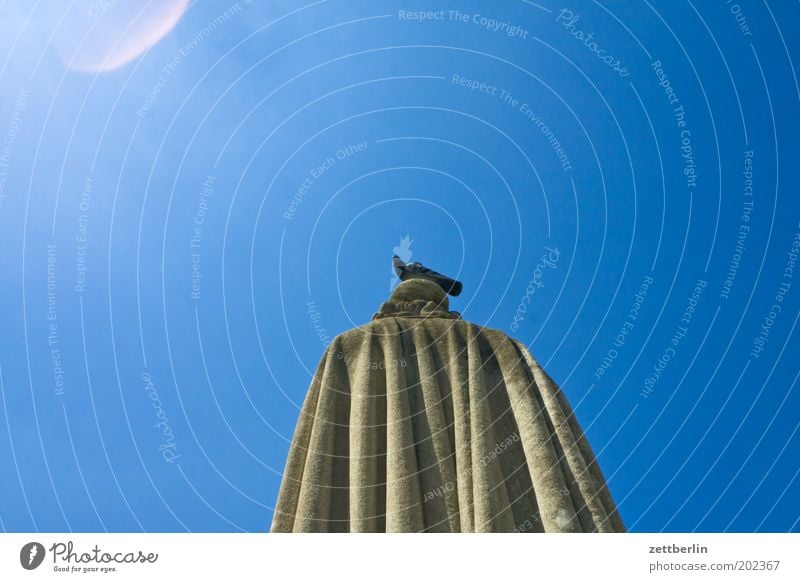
[(185, 223)]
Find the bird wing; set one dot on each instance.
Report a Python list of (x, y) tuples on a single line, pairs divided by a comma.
[(419, 268)]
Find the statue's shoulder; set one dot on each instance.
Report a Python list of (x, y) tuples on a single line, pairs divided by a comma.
[(357, 337)]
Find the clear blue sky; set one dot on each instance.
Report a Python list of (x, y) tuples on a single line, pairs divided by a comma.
[(184, 224)]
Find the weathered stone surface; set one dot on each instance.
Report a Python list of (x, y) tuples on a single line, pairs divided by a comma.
[(421, 421)]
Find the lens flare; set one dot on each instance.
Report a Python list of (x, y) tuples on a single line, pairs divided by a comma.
[(104, 35)]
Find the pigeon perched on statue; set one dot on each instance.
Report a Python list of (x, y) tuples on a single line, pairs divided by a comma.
[(416, 270)]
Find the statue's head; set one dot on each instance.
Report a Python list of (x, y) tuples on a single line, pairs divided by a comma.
[(420, 289)]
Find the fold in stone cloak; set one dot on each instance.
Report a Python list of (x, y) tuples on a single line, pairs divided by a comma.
[(422, 422)]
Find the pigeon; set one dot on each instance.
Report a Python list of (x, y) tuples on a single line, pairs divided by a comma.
[(419, 271)]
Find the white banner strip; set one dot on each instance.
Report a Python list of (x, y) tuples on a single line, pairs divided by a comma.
[(401, 557)]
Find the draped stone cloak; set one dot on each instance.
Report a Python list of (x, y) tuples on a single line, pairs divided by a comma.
[(422, 422)]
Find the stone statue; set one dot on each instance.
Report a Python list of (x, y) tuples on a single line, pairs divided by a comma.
[(420, 421)]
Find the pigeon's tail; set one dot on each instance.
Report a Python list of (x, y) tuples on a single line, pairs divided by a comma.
[(399, 265)]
